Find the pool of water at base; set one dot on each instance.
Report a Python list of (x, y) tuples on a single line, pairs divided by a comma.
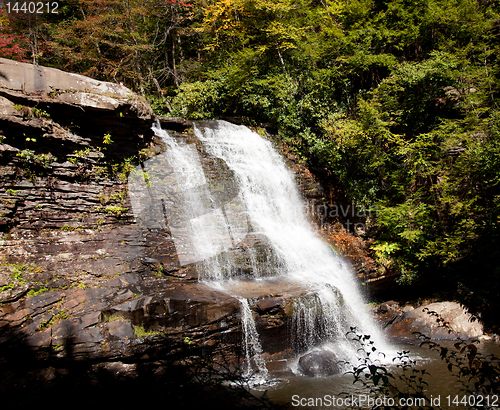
[(339, 392)]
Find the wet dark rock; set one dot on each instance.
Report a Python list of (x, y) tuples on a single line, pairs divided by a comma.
[(269, 305), (390, 306), (120, 329), (319, 363), (175, 123)]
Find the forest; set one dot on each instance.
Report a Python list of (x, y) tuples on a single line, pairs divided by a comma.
[(396, 100)]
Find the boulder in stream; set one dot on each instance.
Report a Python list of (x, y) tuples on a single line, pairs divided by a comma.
[(438, 320), (319, 363)]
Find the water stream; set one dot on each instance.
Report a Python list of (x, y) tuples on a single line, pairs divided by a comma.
[(249, 192), (251, 343)]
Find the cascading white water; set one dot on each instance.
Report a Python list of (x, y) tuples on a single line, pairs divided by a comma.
[(270, 200), (253, 349)]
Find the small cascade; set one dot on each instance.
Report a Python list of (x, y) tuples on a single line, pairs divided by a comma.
[(241, 219), (254, 364), (316, 318)]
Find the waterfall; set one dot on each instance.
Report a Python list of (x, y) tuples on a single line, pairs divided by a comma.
[(249, 194), (251, 343)]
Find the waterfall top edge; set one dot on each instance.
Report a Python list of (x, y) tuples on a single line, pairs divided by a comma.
[(217, 124)]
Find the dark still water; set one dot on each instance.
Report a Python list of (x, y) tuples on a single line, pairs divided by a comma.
[(444, 389)]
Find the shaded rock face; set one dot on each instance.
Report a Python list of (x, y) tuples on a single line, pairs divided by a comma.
[(128, 316), (319, 363), (67, 143), (439, 320)]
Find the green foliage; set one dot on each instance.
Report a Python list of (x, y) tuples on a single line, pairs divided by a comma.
[(135, 42), (160, 105), (79, 154), (410, 96), (29, 157), (69, 228), (114, 318), (33, 164), (39, 113), (402, 383), (115, 210), (383, 252), (196, 100), (141, 333), (158, 271), (16, 276), (146, 179), (55, 318), (124, 168), (107, 139), (34, 292)]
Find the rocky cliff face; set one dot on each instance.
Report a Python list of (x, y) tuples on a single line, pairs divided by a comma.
[(75, 270), (67, 144), (78, 278)]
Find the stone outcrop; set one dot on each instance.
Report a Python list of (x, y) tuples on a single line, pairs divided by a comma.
[(49, 87), (66, 145), (319, 363), (438, 320)]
